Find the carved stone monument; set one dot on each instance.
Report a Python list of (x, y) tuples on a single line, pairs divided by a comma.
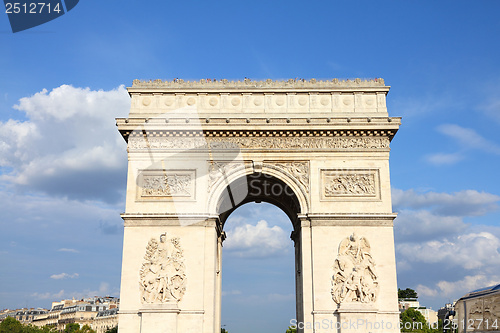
[(319, 150)]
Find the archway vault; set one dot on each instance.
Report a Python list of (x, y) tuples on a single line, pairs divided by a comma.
[(266, 185), (318, 150)]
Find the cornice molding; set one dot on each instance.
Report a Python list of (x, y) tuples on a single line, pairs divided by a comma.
[(248, 84)]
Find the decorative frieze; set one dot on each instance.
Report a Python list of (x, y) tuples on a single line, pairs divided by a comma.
[(160, 184), (271, 143), (162, 277), (350, 184), (249, 84), (354, 278)]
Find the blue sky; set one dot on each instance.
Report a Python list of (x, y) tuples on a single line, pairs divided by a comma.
[(63, 164)]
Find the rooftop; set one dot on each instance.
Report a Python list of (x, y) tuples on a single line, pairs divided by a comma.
[(482, 291)]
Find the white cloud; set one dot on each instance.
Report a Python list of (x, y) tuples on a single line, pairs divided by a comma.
[(467, 284), (256, 240), (426, 291), (444, 159), (69, 145), (104, 290), (492, 108), (64, 276), (459, 288), (468, 251), (433, 242), (469, 138), (68, 250), (231, 292), (463, 203), (423, 225), (48, 295)]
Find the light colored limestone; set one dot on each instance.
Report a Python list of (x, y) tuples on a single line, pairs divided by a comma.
[(319, 149)]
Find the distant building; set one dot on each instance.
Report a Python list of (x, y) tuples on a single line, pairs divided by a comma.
[(82, 312), (7, 313), (446, 312), (25, 316), (105, 320), (430, 315), (479, 310), (406, 303)]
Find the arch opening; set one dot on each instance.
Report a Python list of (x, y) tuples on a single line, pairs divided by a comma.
[(257, 270), (259, 187)]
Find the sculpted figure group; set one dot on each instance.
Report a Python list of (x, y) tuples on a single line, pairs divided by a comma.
[(162, 276), (354, 278)]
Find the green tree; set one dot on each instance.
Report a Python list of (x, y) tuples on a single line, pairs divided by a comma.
[(86, 329), (291, 329), (407, 293), (11, 325), (413, 321), (223, 330), (72, 328), (112, 330)]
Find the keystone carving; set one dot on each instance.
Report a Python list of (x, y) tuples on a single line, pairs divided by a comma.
[(354, 278), (162, 276)]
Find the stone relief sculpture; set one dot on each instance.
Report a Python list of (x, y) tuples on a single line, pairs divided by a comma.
[(298, 170), (166, 185), (491, 308), (162, 275), (354, 278), (217, 170), (298, 142), (353, 184)]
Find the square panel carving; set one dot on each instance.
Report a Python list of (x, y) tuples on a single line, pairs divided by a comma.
[(166, 184), (350, 184)]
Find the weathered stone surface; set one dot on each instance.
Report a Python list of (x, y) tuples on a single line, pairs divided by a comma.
[(197, 150)]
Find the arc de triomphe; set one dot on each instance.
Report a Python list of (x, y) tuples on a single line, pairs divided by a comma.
[(319, 150)]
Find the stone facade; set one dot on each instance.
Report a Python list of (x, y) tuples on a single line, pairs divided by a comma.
[(198, 150), (479, 311)]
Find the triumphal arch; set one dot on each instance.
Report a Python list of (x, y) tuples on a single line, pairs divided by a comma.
[(317, 149)]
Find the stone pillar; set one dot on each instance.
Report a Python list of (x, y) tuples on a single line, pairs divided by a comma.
[(307, 276), (192, 267), (354, 274)]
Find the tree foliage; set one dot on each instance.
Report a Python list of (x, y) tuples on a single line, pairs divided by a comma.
[(291, 329), (413, 321), (71, 328), (11, 325), (407, 293), (86, 329), (112, 330), (75, 328)]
